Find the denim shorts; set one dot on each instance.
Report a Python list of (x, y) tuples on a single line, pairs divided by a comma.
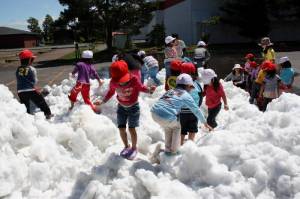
[(128, 114)]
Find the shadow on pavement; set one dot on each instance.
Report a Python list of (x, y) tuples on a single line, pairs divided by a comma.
[(54, 63)]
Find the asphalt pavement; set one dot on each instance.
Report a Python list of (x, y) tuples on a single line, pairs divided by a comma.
[(51, 72)]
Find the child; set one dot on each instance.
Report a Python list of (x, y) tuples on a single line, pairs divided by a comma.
[(257, 84), (175, 71), (26, 84), (268, 51), (253, 74), (236, 76), (287, 74), (151, 65), (270, 86), (170, 54), (166, 110), (248, 70), (85, 71), (188, 121), (179, 45), (213, 90), (201, 54), (127, 87), (115, 58)]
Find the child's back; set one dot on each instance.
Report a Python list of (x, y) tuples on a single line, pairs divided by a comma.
[(86, 71)]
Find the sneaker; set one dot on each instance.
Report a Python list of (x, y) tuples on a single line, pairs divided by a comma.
[(124, 152), (131, 154)]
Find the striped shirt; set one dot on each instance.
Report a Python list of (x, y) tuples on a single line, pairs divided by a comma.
[(150, 61)]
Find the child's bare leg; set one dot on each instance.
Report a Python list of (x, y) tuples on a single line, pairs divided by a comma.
[(123, 135), (133, 137), (72, 105), (182, 139), (192, 136)]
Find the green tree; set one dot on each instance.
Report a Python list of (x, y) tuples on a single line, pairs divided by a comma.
[(250, 17), (33, 25), (253, 18), (110, 15), (48, 28), (157, 36)]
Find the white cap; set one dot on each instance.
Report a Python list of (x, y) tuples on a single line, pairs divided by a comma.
[(184, 79), (207, 75), (236, 66), (87, 54), (283, 59), (169, 39), (201, 43), (114, 58), (141, 52)]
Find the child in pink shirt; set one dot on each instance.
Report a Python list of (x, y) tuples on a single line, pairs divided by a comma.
[(127, 87), (214, 92)]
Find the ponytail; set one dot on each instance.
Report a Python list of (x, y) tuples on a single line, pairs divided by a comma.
[(215, 83)]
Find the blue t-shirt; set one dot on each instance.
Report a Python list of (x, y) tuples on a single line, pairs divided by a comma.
[(196, 93), (169, 105), (26, 78), (286, 75)]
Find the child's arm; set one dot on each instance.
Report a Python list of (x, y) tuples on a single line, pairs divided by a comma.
[(75, 70), (223, 96), (242, 80), (144, 88), (228, 77), (34, 74), (96, 76), (190, 103), (110, 92), (261, 91), (207, 55)]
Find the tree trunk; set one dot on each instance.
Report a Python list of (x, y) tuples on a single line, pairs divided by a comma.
[(109, 37)]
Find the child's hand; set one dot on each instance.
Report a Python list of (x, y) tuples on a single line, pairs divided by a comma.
[(98, 102), (209, 127), (38, 89), (152, 89), (101, 82), (71, 75), (226, 107)]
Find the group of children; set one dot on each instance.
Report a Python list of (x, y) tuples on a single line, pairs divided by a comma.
[(178, 110), (265, 81)]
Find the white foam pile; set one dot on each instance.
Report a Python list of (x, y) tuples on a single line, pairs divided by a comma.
[(75, 155)]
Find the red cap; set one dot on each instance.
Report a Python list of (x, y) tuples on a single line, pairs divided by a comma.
[(271, 67), (176, 65), (268, 65), (253, 64), (249, 56), (188, 68), (26, 54), (119, 71)]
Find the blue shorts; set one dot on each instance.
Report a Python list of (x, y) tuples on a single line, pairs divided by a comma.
[(128, 114)]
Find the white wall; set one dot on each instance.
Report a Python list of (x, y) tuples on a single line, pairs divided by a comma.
[(184, 19), (177, 19), (202, 10), (157, 19)]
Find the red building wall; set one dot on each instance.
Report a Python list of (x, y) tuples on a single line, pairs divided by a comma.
[(18, 41)]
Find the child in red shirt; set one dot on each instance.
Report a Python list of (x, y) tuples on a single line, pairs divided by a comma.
[(214, 92), (127, 87)]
